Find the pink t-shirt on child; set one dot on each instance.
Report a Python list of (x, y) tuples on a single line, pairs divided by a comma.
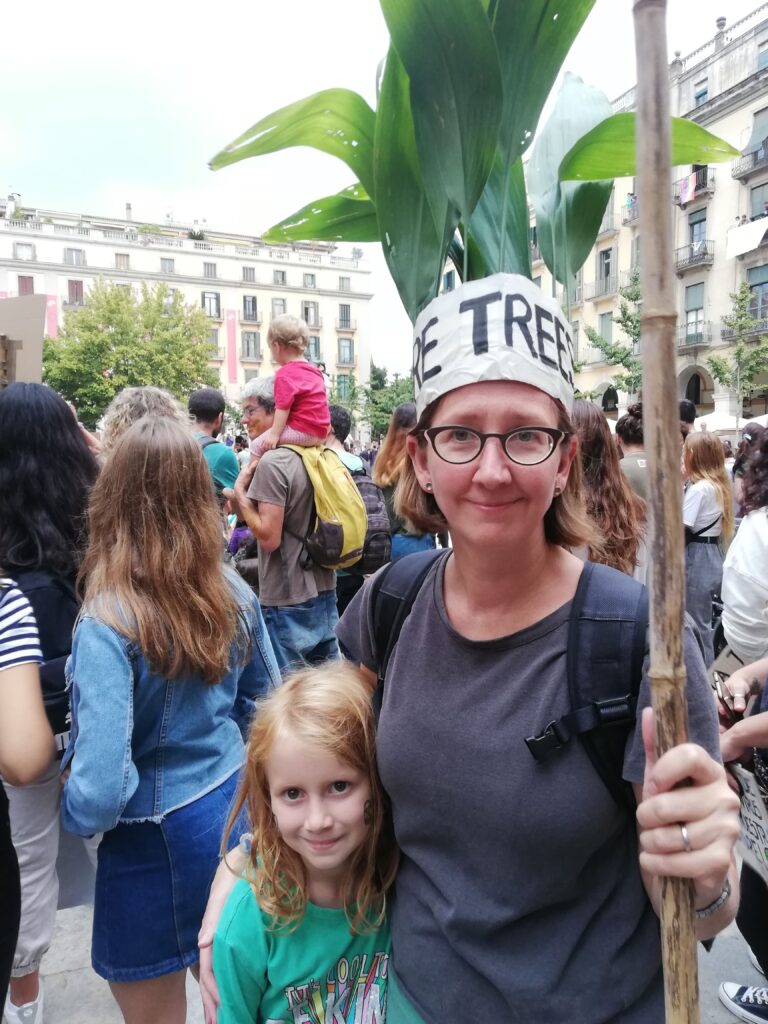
[(300, 387)]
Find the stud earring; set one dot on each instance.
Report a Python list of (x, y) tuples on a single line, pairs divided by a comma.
[(428, 485), (558, 492)]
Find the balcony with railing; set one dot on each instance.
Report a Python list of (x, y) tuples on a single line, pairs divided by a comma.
[(251, 317), (746, 166), (315, 323), (346, 359), (608, 225), (695, 254), (344, 324), (759, 328), (698, 335), (216, 354), (630, 213), (250, 353), (601, 288), (703, 185)]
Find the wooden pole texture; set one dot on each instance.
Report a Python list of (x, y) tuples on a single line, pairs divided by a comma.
[(661, 427)]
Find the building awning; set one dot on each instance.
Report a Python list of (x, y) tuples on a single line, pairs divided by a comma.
[(759, 132), (745, 238)]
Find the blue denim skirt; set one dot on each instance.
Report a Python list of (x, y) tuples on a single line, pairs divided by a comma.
[(152, 885)]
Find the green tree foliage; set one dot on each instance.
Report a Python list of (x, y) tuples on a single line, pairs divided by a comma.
[(619, 353), (349, 395), (120, 339), (378, 377), (739, 370), (382, 400)]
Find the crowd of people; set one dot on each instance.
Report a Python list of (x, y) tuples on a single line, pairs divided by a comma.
[(343, 816)]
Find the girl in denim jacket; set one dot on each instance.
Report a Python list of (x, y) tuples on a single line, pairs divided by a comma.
[(168, 655)]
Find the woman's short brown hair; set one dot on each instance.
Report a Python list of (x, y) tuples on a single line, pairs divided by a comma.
[(565, 522)]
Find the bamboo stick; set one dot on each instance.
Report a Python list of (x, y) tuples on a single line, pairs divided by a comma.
[(662, 442)]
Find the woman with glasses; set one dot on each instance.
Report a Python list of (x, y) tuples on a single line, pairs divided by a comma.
[(524, 891)]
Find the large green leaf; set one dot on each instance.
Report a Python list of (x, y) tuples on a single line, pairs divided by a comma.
[(509, 251), (449, 54), (533, 38), (413, 246), (608, 150), (568, 215), (336, 121), (348, 216)]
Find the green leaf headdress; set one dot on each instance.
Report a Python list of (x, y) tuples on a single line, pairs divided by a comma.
[(439, 163)]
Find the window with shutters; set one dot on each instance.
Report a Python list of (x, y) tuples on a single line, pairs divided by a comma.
[(26, 285), (278, 307), (346, 351), (75, 293), (605, 326), (634, 252), (694, 312), (209, 270), (310, 314), (700, 93), (249, 274), (757, 279), (310, 281), (23, 251), (250, 345), (167, 266), (250, 311), (345, 315), (313, 348), (345, 284), (74, 257), (342, 386), (122, 261), (758, 201), (278, 276), (762, 56), (212, 304)]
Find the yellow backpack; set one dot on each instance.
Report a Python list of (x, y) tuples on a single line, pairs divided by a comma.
[(338, 523)]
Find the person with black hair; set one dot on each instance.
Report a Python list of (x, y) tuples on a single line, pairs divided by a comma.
[(206, 407), (687, 412), (749, 444), (46, 474), (634, 463)]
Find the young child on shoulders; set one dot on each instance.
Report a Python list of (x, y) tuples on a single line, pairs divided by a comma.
[(301, 402), (304, 934)]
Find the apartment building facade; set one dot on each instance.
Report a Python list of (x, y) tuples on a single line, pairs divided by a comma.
[(238, 280), (719, 215)]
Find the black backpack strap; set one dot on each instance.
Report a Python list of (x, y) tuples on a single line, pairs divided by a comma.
[(393, 591), (606, 647)]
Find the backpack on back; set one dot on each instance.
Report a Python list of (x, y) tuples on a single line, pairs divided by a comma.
[(606, 647), (377, 548), (338, 521), (55, 605)]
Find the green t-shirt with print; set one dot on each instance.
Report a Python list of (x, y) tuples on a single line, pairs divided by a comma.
[(317, 974)]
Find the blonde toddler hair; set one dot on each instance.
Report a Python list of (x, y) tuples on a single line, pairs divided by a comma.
[(290, 331)]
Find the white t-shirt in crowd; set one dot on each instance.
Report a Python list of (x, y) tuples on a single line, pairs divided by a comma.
[(701, 506)]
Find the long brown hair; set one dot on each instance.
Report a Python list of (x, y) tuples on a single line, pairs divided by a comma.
[(565, 522), (393, 455), (153, 568), (705, 460), (619, 513), (329, 708)]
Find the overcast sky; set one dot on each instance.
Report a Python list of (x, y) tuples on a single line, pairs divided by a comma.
[(103, 105)]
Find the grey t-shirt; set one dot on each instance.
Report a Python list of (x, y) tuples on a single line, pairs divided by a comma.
[(634, 466), (281, 479), (519, 895)]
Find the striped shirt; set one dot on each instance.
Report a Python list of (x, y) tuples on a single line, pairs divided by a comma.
[(19, 641)]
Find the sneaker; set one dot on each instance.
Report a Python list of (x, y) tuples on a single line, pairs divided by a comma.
[(29, 1013), (754, 961), (745, 1001)]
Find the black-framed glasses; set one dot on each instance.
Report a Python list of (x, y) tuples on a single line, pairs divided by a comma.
[(525, 446)]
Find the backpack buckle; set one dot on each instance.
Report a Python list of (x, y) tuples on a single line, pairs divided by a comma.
[(616, 711), (547, 742)]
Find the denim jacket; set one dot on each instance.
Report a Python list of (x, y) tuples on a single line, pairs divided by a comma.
[(142, 745)]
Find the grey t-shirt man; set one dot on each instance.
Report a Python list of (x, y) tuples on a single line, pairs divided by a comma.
[(634, 466), (519, 896), (281, 479)]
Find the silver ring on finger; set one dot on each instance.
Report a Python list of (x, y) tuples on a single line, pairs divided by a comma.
[(686, 838)]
